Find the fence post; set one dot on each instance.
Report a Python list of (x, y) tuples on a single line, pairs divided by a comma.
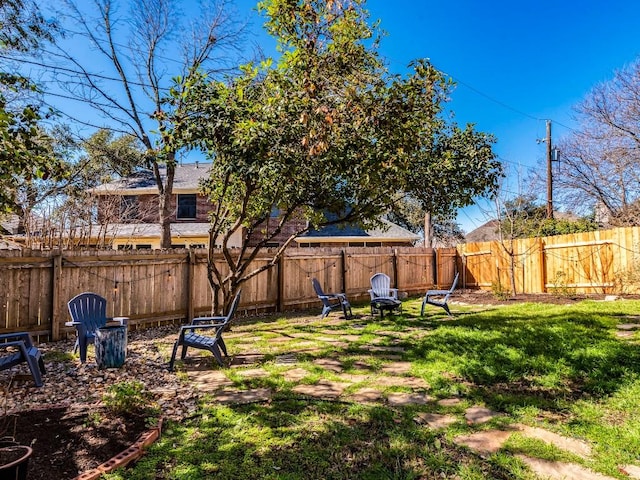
[(191, 269), (280, 299), (55, 296), (394, 263), (543, 268), (343, 270)]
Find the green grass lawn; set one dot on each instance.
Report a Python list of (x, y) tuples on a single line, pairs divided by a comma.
[(561, 368)]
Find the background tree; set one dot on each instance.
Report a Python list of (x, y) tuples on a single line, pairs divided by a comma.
[(325, 136), (25, 149), (600, 160), (138, 48), (408, 213)]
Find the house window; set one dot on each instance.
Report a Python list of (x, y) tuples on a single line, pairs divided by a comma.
[(129, 207), (186, 206)]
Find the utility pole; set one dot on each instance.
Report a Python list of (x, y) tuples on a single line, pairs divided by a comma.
[(549, 172)]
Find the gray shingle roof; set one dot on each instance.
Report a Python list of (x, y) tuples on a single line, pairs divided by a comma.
[(187, 179)]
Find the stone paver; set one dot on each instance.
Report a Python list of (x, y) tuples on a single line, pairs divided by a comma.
[(209, 381), (476, 415), (572, 445), (329, 364), (253, 373), (435, 420), (401, 399), (295, 374), (560, 470), (348, 377), (397, 368), (322, 389), (366, 395), (486, 442), (624, 334), (385, 348), (628, 326), (359, 365), (246, 359), (243, 396), (286, 359), (632, 470), (449, 402), (411, 382)]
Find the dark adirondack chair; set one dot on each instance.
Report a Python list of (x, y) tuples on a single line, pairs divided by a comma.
[(210, 336), (383, 297), (89, 312), (16, 348), (332, 301), (439, 298)]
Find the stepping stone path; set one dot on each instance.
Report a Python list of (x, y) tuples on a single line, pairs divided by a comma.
[(476, 415), (435, 421), (295, 375), (402, 399), (397, 368), (209, 381), (322, 389), (253, 373), (329, 364), (243, 396), (626, 330), (366, 395), (561, 470), (449, 402)]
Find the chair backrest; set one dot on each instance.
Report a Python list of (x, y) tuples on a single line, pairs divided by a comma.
[(234, 306), (455, 282), (380, 284), (89, 309), (319, 292)]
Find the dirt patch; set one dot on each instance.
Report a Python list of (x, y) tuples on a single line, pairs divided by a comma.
[(481, 297), (67, 441)]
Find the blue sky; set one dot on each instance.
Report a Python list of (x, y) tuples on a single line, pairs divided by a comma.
[(516, 63)]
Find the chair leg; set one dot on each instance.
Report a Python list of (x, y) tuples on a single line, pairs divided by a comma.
[(173, 356), (446, 309), (35, 371), (184, 352), (223, 347), (83, 351), (216, 353)]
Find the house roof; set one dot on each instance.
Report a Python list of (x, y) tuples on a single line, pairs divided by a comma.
[(10, 224), (484, 233), (388, 232), (151, 230), (186, 180)]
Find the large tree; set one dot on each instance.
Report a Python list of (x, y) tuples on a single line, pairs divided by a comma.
[(26, 151), (600, 160), (325, 135), (139, 50)]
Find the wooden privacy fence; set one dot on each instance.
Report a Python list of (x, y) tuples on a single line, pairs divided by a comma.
[(604, 261), (152, 287)]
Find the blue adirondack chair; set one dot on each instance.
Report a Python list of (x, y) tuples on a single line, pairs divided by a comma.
[(439, 298), (89, 312), (16, 348), (332, 301), (210, 336)]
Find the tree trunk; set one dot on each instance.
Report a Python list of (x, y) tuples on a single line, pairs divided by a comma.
[(428, 227)]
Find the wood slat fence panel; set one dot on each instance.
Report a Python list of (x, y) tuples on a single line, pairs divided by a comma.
[(153, 287)]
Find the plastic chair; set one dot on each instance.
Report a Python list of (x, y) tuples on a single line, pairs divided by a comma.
[(188, 337), (382, 295), (23, 351), (332, 301), (89, 312), (442, 297)]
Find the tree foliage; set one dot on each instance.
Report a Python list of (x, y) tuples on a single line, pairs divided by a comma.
[(26, 151), (600, 161), (326, 135), (522, 217)]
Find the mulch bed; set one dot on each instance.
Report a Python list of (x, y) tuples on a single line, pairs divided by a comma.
[(67, 441)]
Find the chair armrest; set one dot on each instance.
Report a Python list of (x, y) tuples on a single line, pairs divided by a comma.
[(437, 292), (197, 320), (206, 326), (21, 337)]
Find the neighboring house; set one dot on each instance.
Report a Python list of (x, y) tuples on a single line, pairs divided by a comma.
[(128, 210), (484, 233), (128, 216), (390, 235)]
